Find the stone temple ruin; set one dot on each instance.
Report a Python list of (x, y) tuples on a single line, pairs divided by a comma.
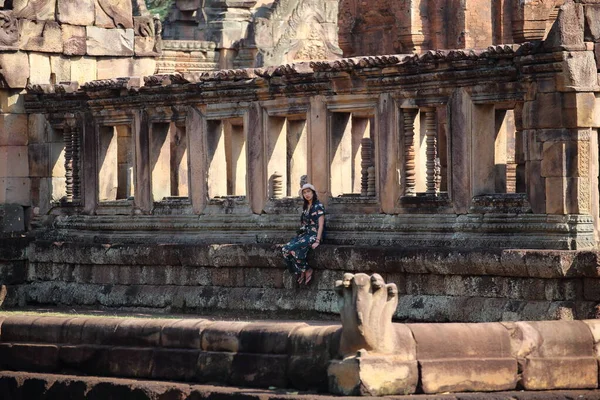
[(152, 166)]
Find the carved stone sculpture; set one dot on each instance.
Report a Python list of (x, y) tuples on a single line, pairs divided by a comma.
[(379, 358), (297, 30), (9, 31)]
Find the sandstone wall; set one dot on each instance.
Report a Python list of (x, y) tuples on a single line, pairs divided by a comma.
[(401, 26), (46, 42)]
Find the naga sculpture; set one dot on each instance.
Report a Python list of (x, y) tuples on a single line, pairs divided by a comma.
[(375, 358)]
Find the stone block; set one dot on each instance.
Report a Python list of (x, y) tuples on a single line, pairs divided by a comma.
[(579, 71), (99, 331), (175, 364), (73, 327), (578, 109), (30, 357), (34, 9), (144, 46), (12, 219), (61, 68), (109, 42), (222, 336), (12, 101), (40, 69), (41, 36), (183, 333), (114, 14), (458, 357), (74, 40), (36, 129), (543, 112), (76, 12), (114, 67), (536, 187), (13, 130), (15, 69), (554, 354), (556, 195), (138, 332), (14, 161), (568, 29), (592, 23), (566, 159), (372, 375), (144, 66), (269, 338), (214, 366), (311, 349), (83, 69), (259, 370), (591, 289), (15, 190), (131, 362), (89, 359)]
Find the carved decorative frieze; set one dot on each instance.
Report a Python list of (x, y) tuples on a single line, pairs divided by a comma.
[(297, 30)]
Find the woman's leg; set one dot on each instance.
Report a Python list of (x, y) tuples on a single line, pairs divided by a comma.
[(295, 254)]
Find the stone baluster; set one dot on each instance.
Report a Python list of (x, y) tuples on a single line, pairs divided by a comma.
[(277, 185), (366, 155), (409, 115), (68, 140), (75, 163), (371, 181), (303, 180), (431, 150)]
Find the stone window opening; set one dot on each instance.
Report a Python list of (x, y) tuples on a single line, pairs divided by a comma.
[(226, 145), (58, 162), (425, 151), (116, 163), (6, 5), (168, 160), (494, 162), (505, 161), (352, 154), (287, 155)]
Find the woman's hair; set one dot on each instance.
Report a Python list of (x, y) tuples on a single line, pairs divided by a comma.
[(314, 200)]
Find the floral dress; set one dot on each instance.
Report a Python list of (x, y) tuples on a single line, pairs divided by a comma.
[(296, 250)]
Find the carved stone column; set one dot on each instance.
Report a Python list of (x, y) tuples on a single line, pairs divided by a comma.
[(68, 161), (431, 150), (409, 115), (366, 154)]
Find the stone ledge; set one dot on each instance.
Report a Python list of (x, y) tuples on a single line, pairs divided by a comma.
[(515, 263), (21, 384)]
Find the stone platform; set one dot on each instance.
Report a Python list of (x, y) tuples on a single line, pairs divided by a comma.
[(291, 356), (434, 285)]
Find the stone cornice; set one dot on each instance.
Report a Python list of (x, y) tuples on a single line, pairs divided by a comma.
[(433, 73)]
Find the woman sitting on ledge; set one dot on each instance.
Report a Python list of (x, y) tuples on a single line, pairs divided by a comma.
[(309, 235)]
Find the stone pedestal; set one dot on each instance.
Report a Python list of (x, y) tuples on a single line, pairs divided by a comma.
[(372, 375)]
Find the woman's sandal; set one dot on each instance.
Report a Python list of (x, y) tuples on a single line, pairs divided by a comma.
[(308, 276)]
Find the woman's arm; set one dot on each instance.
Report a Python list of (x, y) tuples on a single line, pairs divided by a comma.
[(319, 232)]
